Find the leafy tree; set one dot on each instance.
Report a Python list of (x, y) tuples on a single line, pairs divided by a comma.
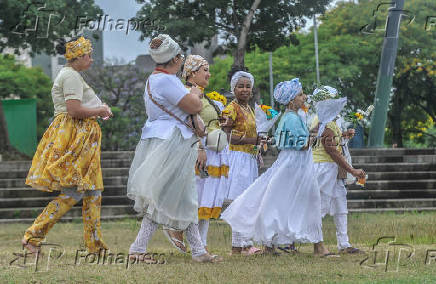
[(17, 80), (349, 61), (122, 88), (240, 25), (37, 24)]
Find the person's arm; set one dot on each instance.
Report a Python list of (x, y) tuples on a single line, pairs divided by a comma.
[(349, 133), (77, 110), (329, 141), (238, 140), (191, 103)]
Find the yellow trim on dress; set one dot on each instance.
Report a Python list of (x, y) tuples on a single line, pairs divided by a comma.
[(205, 213), (216, 172)]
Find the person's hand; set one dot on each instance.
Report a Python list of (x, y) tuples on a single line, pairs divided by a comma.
[(201, 159), (196, 91), (314, 131), (105, 112), (226, 122), (350, 133), (263, 140), (358, 173)]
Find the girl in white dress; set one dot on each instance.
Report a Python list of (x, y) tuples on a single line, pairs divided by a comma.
[(283, 205)]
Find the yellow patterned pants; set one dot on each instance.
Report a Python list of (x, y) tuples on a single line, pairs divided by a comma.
[(36, 233)]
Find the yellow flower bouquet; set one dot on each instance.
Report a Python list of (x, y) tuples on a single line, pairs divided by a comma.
[(217, 97)]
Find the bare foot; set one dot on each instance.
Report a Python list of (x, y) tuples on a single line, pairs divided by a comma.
[(33, 249)]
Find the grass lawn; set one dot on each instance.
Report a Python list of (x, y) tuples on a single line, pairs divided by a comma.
[(415, 233)]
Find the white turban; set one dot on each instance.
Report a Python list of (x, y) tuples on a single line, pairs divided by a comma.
[(238, 75), (328, 110), (324, 93), (166, 51)]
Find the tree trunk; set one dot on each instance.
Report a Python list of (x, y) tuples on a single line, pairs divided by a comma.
[(239, 53)]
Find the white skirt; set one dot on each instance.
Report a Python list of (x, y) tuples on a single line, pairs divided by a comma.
[(162, 180), (333, 191), (242, 173), (212, 190), (282, 205)]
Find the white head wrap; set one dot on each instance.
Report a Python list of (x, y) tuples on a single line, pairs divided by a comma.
[(328, 110), (192, 64), (324, 93), (166, 51), (286, 91), (238, 75), (328, 104)]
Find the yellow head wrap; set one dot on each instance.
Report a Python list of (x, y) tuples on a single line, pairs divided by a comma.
[(77, 48)]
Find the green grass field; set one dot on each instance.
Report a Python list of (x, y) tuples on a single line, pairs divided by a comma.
[(415, 235)]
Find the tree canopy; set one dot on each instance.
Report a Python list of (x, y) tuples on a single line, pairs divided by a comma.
[(240, 25), (349, 61), (37, 24)]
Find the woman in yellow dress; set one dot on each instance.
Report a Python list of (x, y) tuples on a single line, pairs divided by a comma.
[(68, 156), (243, 171)]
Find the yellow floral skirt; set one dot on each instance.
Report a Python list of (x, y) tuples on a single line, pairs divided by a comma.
[(68, 156)]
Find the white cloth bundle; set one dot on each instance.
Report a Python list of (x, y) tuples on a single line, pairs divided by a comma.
[(263, 124)]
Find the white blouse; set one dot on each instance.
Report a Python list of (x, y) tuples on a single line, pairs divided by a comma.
[(168, 91)]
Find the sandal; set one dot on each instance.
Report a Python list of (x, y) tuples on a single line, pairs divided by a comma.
[(251, 251), (207, 258), (328, 255), (236, 250), (177, 243), (289, 249), (351, 250), (270, 251)]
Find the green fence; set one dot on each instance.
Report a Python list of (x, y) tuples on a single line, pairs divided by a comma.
[(20, 118)]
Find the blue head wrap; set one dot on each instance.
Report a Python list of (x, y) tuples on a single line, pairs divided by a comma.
[(286, 91)]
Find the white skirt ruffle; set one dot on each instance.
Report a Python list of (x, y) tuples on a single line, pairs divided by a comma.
[(242, 173), (282, 205), (333, 191), (212, 190), (162, 180)]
